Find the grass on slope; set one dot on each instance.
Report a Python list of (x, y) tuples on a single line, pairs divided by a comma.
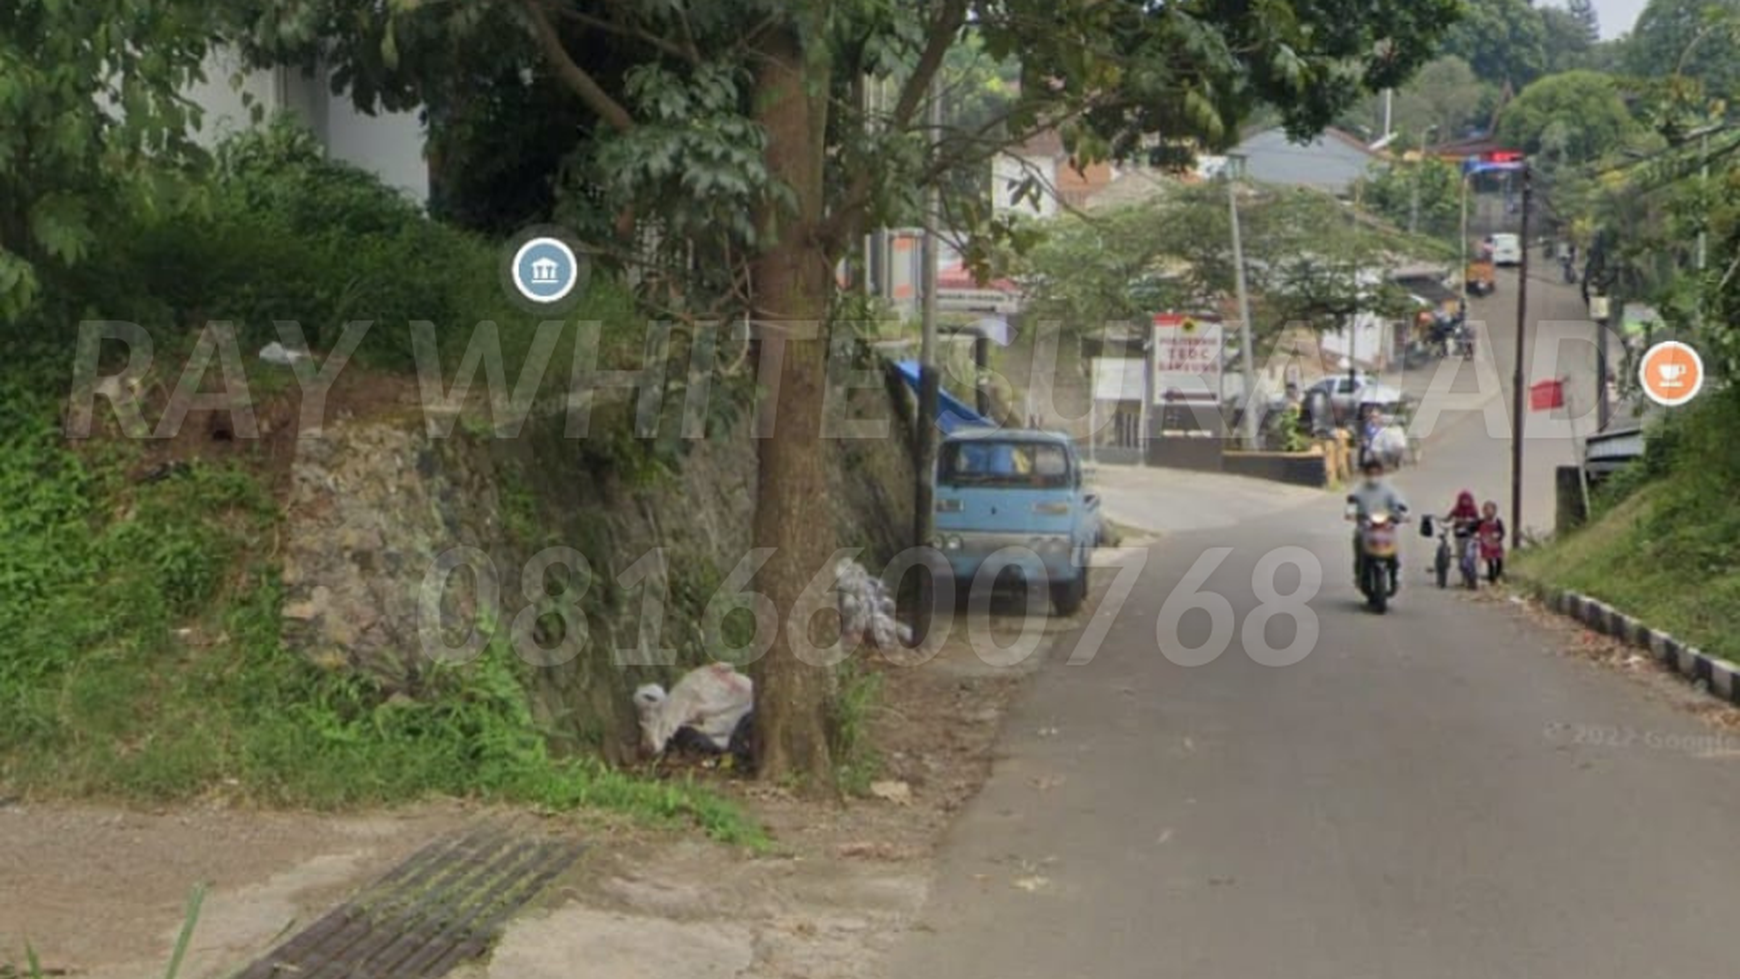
[(1665, 542)]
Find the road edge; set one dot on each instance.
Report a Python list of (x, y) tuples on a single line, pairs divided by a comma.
[(1718, 676)]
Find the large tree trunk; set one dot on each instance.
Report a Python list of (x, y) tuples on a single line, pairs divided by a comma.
[(792, 280)]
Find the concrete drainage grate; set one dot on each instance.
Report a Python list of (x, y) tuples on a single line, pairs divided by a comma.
[(443, 906)]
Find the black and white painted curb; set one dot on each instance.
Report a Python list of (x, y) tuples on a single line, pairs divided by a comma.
[(1719, 676)]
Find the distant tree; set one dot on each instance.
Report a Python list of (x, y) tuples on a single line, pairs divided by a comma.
[(1583, 12), (1438, 105), (1583, 112), (1424, 196), (1446, 96), (1566, 40), (1502, 40), (1307, 260), (1693, 38)]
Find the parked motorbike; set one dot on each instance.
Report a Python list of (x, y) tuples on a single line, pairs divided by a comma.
[(1379, 567), (1465, 342)]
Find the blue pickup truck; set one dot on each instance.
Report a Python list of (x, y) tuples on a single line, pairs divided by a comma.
[(1019, 496)]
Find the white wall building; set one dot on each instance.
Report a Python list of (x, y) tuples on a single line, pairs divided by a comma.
[(389, 145)]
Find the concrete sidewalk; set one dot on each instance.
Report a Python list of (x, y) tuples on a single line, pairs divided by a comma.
[(1178, 500)]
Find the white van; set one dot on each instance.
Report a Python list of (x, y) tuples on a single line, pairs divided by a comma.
[(1506, 250)]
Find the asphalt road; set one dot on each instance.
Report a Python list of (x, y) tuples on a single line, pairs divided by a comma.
[(1408, 801)]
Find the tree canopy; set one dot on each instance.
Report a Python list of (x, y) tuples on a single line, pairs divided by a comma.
[(1308, 260), (69, 163), (1502, 40), (1424, 196), (1692, 38), (1570, 118)]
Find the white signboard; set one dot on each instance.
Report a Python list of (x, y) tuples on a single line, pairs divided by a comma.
[(1187, 358), (1118, 379)]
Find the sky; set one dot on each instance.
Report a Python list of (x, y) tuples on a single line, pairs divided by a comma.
[(1617, 16)]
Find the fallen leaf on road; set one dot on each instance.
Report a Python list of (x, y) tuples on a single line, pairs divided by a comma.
[(898, 793), (1031, 884)]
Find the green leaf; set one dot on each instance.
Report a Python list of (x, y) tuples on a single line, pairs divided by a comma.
[(60, 223), (390, 46)]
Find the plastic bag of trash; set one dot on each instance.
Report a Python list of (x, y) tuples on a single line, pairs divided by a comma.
[(867, 608), (277, 353), (1391, 445), (710, 700)]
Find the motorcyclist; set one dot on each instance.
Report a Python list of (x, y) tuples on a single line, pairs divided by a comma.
[(1372, 495)]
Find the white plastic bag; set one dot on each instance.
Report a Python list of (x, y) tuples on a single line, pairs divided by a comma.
[(711, 700), (277, 353), (1391, 445), (866, 608)]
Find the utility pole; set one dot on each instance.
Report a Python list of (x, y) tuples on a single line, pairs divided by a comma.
[(1518, 396), (1600, 311), (1247, 354), (1462, 248), (924, 498)]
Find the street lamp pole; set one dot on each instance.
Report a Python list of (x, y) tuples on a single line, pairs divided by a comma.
[(1463, 249), (929, 385), (1248, 356)]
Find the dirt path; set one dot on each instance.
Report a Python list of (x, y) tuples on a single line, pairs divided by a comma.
[(100, 892)]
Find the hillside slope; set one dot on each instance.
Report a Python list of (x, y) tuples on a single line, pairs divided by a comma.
[(1664, 544)]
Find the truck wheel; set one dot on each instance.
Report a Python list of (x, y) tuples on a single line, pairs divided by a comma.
[(1066, 599)]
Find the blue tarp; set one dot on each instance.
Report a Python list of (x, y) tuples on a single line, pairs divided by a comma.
[(952, 412)]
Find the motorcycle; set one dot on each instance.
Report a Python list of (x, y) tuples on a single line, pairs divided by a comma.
[(1465, 342), (1379, 568)]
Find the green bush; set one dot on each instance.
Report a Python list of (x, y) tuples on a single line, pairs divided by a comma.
[(1665, 545), (140, 650)]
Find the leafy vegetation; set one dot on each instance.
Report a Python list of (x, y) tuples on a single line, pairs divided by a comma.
[(1572, 118), (1664, 546), (71, 169), (142, 613), (1424, 196), (1309, 260)]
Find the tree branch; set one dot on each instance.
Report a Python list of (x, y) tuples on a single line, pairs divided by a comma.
[(685, 50), (936, 47), (614, 114), (843, 224)]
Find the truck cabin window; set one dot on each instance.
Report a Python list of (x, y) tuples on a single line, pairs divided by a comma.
[(1026, 465)]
